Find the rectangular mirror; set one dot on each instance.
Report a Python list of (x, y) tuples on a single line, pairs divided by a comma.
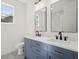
[(64, 16), (41, 20)]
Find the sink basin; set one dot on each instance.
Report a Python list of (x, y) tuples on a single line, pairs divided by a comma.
[(62, 42), (42, 38)]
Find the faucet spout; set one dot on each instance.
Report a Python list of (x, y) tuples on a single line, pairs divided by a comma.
[(60, 33)]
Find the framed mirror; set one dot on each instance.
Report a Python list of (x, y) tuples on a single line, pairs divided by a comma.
[(64, 16), (40, 19)]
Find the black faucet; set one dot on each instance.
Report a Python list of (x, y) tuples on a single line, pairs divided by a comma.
[(37, 33), (60, 33)]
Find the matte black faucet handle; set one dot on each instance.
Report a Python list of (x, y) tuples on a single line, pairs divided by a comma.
[(60, 33), (65, 38), (56, 37)]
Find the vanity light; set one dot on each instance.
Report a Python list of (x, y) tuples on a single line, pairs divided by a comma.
[(37, 1), (39, 5)]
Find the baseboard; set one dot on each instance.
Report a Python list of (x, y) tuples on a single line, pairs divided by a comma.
[(8, 53)]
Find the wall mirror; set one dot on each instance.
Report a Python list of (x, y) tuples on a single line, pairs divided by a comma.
[(40, 20), (64, 16)]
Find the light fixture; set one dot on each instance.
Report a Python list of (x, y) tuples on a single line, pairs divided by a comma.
[(36, 2)]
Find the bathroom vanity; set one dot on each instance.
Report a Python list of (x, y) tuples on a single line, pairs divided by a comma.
[(43, 48)]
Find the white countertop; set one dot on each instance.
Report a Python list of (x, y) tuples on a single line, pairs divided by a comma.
[(70, 45)]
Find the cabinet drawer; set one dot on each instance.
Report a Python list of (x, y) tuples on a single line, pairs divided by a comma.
[(60, 52), (51, 48), (37, 56), (57, 49), (52, 55), (39, 51), (39, 45)]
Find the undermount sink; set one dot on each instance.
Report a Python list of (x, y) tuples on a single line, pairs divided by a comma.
[(43, 38), (59, 41)]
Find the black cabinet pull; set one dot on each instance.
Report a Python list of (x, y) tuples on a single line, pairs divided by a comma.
[(49, 57), (59, 52)]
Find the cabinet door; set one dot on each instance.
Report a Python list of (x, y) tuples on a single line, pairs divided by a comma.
[(68, 55), (37, 56), (75, 55), (60, 55), (27, 48), (50, 56), (53, 55)]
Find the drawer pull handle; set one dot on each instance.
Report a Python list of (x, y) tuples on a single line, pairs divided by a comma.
[(49, 57), (58, 52), (37, 44)]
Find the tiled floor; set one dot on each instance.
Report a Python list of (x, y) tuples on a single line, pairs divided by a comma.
[(12, 55)]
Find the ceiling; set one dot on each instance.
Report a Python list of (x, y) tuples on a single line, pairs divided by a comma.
[(26, 1), (23, 1), (36, 1)]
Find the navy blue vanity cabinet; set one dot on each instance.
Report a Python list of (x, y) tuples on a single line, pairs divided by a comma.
[(53, 55), (34, 49), (59, 53), (38, 50), (27, 48)]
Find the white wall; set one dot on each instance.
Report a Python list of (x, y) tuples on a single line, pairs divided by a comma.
[(12, 34), (30, 17)]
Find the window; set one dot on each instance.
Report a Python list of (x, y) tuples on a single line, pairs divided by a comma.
[(6, 13)]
